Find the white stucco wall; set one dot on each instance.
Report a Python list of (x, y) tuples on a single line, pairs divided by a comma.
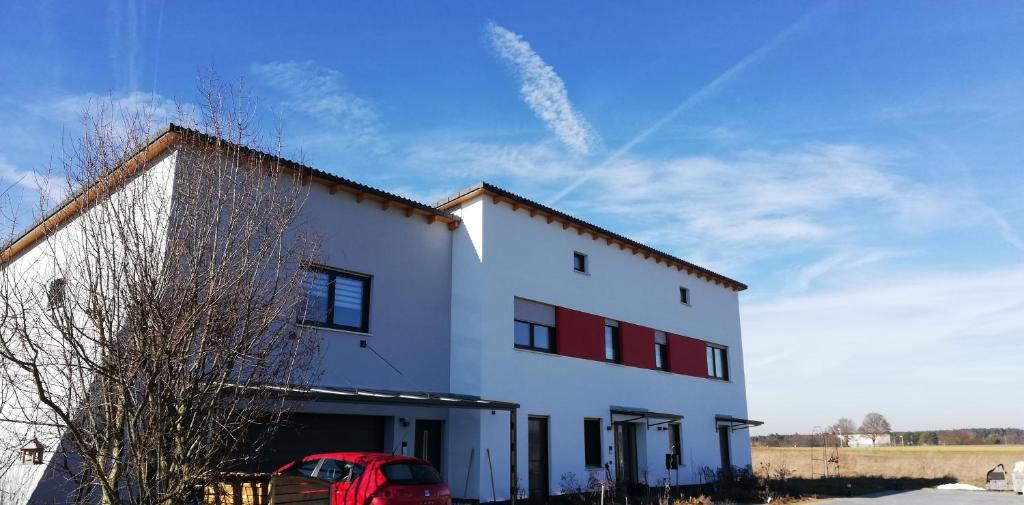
[(57, 257), (527, 257), (409, 261)]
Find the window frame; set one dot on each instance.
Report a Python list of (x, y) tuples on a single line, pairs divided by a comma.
[(675, 438), (583, 259), (684, 295), (661, 354), (56, 293), (713, 364), (294, 469), (616, 343), (587, 462), (357, 470), (333, 275), (552, 337)]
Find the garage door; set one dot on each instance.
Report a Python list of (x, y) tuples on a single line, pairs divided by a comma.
[(305, 434)]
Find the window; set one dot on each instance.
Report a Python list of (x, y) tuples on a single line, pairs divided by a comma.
[(404, 474), (337, 299), (684, 295), (660, 351), (592, 442), (675, 443), (611, 341), (718, 362), (304, 468), (55, 294), (336, 470), (534, 325), (579, 262)]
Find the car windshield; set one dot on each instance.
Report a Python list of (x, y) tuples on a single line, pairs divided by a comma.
[(410, 473)]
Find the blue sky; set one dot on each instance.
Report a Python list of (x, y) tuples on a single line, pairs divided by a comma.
[(859, 165)]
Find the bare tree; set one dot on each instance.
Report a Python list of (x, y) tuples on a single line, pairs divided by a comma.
[(146, 332), (874, 424), (842, 429)]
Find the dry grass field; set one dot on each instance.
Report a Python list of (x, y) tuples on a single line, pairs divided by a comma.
[(967, 463)]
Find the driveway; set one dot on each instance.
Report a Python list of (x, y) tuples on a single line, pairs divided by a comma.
[(935, 497)]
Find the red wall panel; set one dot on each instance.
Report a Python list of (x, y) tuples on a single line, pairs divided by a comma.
[(687, 356), (637, 345), (579, 334)]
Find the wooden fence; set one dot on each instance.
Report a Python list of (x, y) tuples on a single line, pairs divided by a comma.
[(239, 489)]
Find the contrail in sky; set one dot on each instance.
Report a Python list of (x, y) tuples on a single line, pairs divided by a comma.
[(693, 100)]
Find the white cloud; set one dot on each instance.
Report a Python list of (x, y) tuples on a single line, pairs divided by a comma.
[(543, 90), (474, 160), (841, 262), (908, 344), (753, 197), (319, 93), (28, 179), (68, 109), (698, 97)]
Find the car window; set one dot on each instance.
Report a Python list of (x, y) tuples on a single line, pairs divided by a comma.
[(336, 470), (304, 468), (410, 473)]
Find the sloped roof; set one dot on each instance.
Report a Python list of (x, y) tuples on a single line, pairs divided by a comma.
[(166, 137)]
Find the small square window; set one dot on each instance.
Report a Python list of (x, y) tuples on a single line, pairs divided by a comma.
[(684, 295), (55, 294), (579, 262)]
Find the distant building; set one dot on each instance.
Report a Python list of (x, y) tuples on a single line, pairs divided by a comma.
[(866, 440)]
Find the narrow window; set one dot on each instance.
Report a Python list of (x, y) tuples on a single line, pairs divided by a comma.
[(534, 325), (55, 294), (718, 362), (684, 295), (336, 299), (611, 341), (579, 262), (660, 351), (675, 444), (592, 442)]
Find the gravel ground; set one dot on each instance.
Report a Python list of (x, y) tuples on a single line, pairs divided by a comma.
[(935, 497)]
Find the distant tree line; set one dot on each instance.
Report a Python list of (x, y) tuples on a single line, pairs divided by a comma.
[(961, 436)]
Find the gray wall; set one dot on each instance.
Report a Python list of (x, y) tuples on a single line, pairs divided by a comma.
[(410, 262)]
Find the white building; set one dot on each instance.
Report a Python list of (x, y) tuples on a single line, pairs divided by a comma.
[(866, 440), (610, 354)]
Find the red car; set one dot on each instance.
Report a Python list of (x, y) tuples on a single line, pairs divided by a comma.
[(359, 478)]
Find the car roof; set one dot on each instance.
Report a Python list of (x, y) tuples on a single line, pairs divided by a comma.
[(364, 457)]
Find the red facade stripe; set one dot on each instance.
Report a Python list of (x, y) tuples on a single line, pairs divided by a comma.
[(687, 356), (637, 345), (580, 335)]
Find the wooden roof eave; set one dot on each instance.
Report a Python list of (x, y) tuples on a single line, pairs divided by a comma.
[(79, 203)]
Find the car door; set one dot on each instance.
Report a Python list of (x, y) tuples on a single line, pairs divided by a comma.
[(346, 485), (299, 484)]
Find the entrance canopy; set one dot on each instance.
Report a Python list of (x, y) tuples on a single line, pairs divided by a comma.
[(370, 396), (735, 423), (630, 414)]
